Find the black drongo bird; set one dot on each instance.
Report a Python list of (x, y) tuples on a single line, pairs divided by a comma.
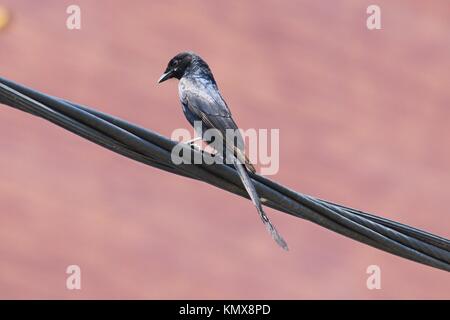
[(202, 101)]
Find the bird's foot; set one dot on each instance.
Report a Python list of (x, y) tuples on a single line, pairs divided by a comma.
[(192, 144), (192, 141)]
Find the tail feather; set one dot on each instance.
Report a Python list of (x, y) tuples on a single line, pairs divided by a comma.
[(240, 155), (248, 184)]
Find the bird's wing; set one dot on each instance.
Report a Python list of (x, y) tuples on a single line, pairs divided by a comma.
[(214, 113), (206, 102)]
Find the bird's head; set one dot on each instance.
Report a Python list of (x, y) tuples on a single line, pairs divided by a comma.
[(177, 66)]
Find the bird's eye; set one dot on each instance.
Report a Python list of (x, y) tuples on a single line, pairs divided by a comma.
[(175, 63)]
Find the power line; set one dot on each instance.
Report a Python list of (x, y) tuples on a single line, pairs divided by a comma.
[(155, 150)]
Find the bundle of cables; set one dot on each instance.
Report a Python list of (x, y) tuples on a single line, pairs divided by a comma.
[(155, 150)]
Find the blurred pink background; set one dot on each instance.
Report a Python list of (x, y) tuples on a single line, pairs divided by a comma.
[(363, 118)]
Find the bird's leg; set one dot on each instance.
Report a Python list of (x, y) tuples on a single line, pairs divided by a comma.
[(192, 144), (192, 141)]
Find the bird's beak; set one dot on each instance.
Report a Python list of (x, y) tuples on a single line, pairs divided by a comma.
[(165, 76)]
